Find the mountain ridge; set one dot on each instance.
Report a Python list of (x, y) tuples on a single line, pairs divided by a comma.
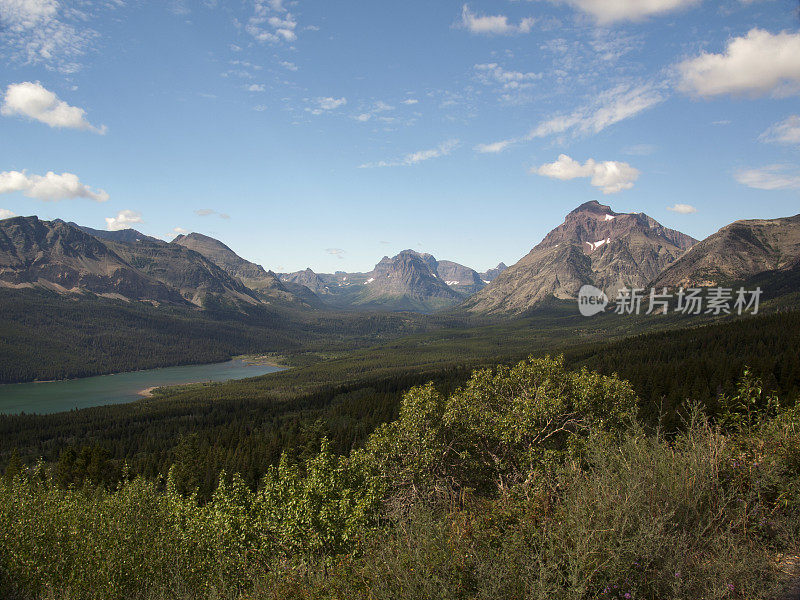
[(593, 246), (739, 251)]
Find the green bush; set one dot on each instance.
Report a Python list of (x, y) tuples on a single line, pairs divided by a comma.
[(528, 482), (498, 431)]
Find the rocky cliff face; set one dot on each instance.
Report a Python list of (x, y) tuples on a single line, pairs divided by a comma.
[(738, 252), (222, 256), (309, 279), (407, 275), (189, 272), (60, 257), (462, 279), (126, 265), (594, 245), (128, 236), (265, 283), (490, 275)]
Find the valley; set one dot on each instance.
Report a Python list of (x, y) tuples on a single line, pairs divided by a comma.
[(77, 302), (478, 300)]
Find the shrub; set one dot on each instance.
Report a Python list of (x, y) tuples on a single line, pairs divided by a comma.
[(498, 431)]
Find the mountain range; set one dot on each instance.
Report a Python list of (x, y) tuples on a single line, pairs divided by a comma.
[(409, 280), (594, 245)]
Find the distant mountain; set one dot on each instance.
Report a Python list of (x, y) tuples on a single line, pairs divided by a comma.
[(408, 279), (308, 279), (594, 245), (222, 256), (738, 252), (490, 275), (196, 278), (265, 283), (129, 236), (62, 258), (462, 279)]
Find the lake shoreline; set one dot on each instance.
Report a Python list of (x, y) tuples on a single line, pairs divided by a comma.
[(131, 386), (150, 392), (251, 360)]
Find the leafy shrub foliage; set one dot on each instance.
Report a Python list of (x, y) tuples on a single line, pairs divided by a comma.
[(497, 431), (530, 481)]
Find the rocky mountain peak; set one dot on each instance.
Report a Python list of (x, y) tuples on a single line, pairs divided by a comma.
[(593, 226), (594, 245), (593, 207), (408, 274)]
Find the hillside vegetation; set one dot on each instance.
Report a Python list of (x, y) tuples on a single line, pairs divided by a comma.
[(244, 426), (530, 481)]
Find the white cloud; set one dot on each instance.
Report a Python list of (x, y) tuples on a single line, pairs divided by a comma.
[(327, 104), (6, 214), (771, 177), (179, 8), (267, 26), (337, 252), (493, 25), (684, 209), (610, 11), (207, 212), (410, 101), (374, 110), (640, 150), (494, 148), (27, 13), (610, 176), (48, 187), (290, 66), (331, 103), (123, 220), (610, 107), (180, 231), (34, 101), (255, 87), (37, 32), (785, 132), (414, 158), (758, 64), (492, 73)]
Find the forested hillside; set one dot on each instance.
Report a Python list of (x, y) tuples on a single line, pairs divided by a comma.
[(530, 481), (243, 426), (47, 336)]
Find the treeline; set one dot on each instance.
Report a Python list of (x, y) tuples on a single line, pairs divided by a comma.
[(47, 336), (244, 426), (702, 363)]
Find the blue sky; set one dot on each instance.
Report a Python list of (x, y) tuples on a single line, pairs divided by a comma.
[(309, 133)]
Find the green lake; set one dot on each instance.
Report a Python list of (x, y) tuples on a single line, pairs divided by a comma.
[(58, 396)]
